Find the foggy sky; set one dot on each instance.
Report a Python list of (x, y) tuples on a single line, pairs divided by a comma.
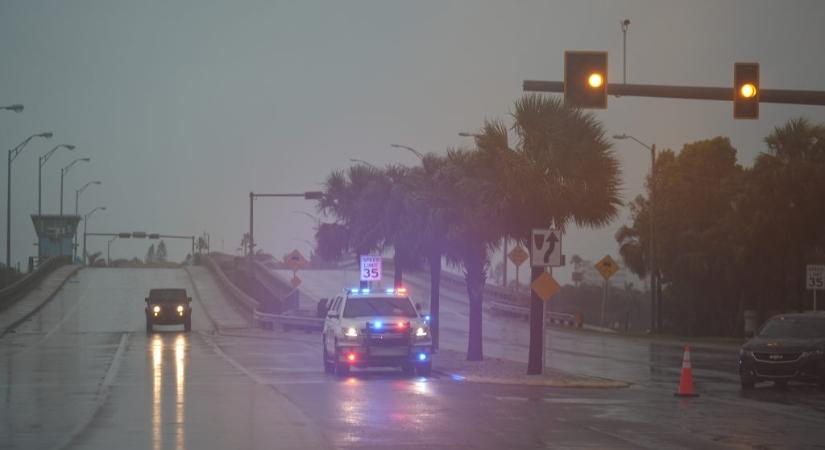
[(186, 106)]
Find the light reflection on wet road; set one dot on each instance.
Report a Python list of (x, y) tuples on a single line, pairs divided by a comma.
[(83, 374)]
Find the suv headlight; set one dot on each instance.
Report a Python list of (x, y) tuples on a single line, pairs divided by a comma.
[(156, 308), (422, 332), (814, 353), (350, 332), (180, 308)]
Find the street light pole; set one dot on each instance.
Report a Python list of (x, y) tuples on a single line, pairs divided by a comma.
[(108, 251), (76, 209), (63, 173), (86, 221), (654, 275), (311, 195), (12, 155), (42, 161)]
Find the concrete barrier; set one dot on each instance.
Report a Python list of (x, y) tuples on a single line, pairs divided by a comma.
[(248, 303), (19, 288)]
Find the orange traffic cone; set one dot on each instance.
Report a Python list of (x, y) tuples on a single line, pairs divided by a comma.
[(686, 380)]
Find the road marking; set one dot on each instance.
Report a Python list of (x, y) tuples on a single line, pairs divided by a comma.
[(102, 393), (257, 379)]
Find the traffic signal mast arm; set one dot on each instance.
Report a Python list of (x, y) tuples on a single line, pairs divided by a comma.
[(784, 96)]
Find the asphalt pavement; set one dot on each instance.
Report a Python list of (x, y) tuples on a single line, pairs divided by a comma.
[(83, 373)]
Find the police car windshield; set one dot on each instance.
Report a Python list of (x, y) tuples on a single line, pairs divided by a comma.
[(794, 329), (378, 306)]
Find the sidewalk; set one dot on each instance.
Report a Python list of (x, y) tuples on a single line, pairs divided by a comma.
[(35, 299), (502, 371), (215, 304)]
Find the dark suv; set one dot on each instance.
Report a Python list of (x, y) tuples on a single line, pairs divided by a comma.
[(788, 347), (168, 307)]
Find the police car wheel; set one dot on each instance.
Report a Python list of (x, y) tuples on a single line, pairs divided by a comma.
[(408, 369), (341, 368), (424, 370), (328, 366)]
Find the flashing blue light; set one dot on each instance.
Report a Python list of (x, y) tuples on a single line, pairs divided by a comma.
[(422, 356), (427, 317), (365, 291), (457, 377), (378, 324), (390, 291), (354, 290)]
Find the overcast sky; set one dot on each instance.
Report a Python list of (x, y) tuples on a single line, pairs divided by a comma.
[(186, 106)]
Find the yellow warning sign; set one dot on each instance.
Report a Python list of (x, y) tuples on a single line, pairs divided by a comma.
[(607, 267), (295, 260), (518, 255), (545, 286)]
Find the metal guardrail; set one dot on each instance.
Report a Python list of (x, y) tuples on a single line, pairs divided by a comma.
[(288, 321), (24, 285), (571, 320)]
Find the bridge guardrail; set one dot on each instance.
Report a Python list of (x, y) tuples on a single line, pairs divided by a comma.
[(570, 320), (288, 321), (24, 285)]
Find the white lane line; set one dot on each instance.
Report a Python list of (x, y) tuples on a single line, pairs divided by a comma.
[(102, 394), (257, 379)]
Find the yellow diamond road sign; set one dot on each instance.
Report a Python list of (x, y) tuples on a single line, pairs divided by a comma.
[(295, 260), (518, 255), (607, 267), (545, 286)]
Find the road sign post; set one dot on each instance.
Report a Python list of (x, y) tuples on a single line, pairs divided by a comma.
[(545, 251), (518, 255), (607, 268), (815, 281)]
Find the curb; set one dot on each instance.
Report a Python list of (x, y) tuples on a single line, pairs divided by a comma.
[(587, 383)]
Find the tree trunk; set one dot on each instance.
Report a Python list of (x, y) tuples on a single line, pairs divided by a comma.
[(398, 272), (435, 288), (475, 291)]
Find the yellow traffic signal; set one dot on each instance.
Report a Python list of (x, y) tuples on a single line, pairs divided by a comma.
[(585, 79), (746, 90)]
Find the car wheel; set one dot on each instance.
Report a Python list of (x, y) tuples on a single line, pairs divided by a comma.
[(747, 382), (424, 370), (408, 368), (187, 324), (780, 384), (328, 366)]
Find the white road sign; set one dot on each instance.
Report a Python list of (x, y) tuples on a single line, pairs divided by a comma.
[(370, 268), (545, 248), (816, 277)]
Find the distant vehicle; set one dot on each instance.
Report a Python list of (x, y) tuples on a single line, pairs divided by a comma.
[(365, 328), (788, 347), (168, 307)]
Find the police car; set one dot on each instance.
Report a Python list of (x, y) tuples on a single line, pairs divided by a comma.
[(371, 328)]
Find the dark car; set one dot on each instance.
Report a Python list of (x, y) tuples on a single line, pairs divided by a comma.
[(168, 307), (788, 347)]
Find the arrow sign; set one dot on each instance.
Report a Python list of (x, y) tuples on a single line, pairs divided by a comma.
[(546, 248)]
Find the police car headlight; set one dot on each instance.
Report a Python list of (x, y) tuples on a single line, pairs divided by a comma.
[(156, 308), (350, 332), (421, 332)]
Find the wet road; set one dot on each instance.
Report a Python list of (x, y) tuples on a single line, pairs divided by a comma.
[(84, 374)]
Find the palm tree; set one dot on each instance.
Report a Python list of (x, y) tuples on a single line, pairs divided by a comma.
[(561, 170)]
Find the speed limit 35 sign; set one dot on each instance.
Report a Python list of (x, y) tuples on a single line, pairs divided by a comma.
[(370, 268), (816, 277)]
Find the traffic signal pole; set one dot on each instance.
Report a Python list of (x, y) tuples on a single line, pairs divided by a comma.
[(783, 96)]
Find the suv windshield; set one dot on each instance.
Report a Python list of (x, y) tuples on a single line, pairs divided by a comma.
[(167, 295), (378, 306), (794, 329)]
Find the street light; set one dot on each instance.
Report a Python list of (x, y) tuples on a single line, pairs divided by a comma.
[(42, 161), (414, 151), (76, 202), (654, 276), (63, 173), (16, 108), (108, 251), (86, 221), (361, 161), (13, 154)]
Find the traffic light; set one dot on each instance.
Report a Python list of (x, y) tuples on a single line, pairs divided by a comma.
[(139, 234), (585, 79), (746, 90), (124, 235), (154, 236)]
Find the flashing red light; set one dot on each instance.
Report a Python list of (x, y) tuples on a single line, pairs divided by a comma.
[(400, 325), (351, 357)]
